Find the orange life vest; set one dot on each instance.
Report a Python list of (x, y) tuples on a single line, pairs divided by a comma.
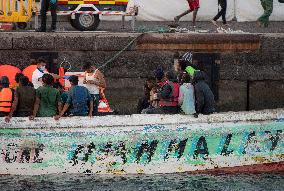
[(173, 100), (6, 98)]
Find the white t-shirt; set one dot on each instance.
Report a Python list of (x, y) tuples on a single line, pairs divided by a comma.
[(93, 89), (37, 74)]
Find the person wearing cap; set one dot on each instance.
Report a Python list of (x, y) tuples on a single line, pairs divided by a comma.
[(48, 101), (80, 100), (6, 97), (24, 100)]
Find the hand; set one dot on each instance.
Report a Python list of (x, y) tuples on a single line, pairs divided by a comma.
[(32, 117), (85, 81), (57, 117), (7, 119)]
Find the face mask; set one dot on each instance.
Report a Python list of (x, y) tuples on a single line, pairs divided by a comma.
[(42, 68)]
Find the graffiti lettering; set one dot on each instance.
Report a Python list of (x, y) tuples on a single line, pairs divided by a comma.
[(274, 139), (225, 150), (174, 145), (201, 148), (249, 140), (12, 153), (147, 148), (79, 150)]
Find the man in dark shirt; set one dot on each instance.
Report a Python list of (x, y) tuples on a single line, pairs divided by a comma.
[(204, 97), (45, 5), (24, 99), (80, 98)]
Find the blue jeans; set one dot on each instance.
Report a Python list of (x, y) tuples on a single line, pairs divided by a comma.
[(96, 100)]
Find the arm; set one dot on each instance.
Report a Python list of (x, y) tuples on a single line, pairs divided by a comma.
[(36, 106), (199, 100), (14, 107), (65, 108), (56, 76), (101, 80), (91, 108), (180, 98)]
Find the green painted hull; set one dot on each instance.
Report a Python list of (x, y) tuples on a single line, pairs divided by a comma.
[(141, 144)]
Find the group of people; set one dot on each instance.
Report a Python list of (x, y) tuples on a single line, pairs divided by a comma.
[(185, 92), (194, 6), (44, 96)]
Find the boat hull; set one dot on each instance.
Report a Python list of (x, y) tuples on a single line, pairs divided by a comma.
[(144, 144)]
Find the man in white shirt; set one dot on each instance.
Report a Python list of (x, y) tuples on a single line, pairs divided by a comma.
[(38, 73)]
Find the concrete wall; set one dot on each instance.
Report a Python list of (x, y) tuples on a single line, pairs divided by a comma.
[(250, 66)]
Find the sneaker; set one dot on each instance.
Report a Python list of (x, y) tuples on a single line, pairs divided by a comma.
[(176, 19)]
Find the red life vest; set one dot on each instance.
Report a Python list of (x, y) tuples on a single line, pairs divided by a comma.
[(6, 98), (173, 100)]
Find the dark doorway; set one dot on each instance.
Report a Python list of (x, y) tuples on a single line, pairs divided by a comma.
[(208, 62), (50, 57)]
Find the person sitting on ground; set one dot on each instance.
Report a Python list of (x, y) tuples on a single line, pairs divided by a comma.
[(168, 97), (48, 102), (80, 99), (144, 102), (94, 80), (39, 72), (6, 97), (24, 100), (204, 97), (186, 95)]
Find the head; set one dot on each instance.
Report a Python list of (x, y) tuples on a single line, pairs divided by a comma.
[(58, 86), (47, 79), (18, 76), (41, 64), (185, 78), (74, 80), (88, 67), (5, 82), (24, 81), (159, 74), (170, 76), (180, 65)]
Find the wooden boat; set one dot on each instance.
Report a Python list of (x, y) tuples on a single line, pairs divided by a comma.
[(234, 141)]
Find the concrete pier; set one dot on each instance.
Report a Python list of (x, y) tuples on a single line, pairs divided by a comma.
[(246, 70)]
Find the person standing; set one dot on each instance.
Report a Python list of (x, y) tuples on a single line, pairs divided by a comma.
[(267, 6), (24, 100), (45, 5), (193, 7), (6, 97), (48, 102), (80, 100), (222, 12), (94, 81), (39, 72)]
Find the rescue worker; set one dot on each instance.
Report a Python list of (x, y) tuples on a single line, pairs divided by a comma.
[(6, 97), (80, 100), (168, 97), (267, 6), (193, 7), (204, 97), (24, 100), (222, 12), (48, 101), (45, 5), (94, 81), (39, 72)]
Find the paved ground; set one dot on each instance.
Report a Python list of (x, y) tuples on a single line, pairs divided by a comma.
[(116, 26), (274, 27)]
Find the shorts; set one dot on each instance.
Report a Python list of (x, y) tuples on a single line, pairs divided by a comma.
[(193, 4)]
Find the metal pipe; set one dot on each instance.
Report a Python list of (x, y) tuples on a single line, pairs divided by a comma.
[(235, 11)]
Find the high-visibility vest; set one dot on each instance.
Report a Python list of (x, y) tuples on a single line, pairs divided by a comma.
[(173, 100), (6, 98)]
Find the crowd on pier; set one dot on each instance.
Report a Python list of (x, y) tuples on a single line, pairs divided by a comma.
[(183, 91)]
